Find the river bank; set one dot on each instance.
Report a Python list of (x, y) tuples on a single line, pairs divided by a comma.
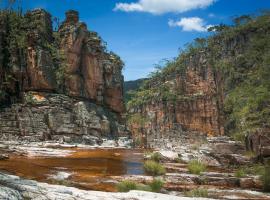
[(70, 171)]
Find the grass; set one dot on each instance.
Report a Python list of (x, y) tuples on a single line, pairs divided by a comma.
[(153, 168), (256, 169), (126, 186), (179, 160), (156, 157), (266, 178), (196, 147), (196, 167), (240, 173), (197, 193), (143, 187), (155, 186), (259, 170), (250, 154)]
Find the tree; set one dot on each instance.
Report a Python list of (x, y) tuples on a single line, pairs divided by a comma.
[(242, 20)]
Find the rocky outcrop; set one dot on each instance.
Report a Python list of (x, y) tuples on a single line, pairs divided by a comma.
[(259, 143), (57, 84), (48, 116), (90, 72), (196, 111), (12, 187)]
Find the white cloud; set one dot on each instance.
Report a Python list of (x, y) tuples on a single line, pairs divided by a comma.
[(211, 15), (190, 24), (163, 6)]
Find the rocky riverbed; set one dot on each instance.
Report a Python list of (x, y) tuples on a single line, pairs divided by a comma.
[(70, 171)]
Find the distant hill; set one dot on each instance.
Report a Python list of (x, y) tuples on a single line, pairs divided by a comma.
[(132, 85)]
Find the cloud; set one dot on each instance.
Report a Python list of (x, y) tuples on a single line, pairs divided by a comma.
[(163, 6), (190, 24), (211, 15)]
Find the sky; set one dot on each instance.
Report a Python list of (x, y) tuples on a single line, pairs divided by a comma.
[(145, 32)]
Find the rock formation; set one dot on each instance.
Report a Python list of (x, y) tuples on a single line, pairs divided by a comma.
[(195, 113), (216, 86), (60, 85)]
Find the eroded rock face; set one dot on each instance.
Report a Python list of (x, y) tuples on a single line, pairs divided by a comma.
[(90, 72), (40, 68), (198, 111), (48, 116), (54, 77)]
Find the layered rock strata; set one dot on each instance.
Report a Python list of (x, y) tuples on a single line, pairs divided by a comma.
[(58, 84)]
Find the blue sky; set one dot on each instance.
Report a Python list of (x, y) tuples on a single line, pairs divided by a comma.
[(143, 32)]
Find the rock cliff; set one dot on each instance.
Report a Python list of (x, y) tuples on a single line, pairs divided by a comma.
[(216, 86), (191, 107), (60, 84)]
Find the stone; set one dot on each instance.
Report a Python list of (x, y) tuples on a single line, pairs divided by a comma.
[(10, 194), (259, 143), (247, 183), (17, 188), (60, 176), (169, 154), (4, 156), (60, 118)]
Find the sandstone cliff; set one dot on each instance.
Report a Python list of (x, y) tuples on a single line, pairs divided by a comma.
[(60, 84), (216, 86), (185, 104)]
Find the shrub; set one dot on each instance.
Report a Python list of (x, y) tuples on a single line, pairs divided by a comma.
[(156, 185), (126, 186), (143, 187), (138, 142), (153, 168), (256, 169), (266, 179), (196, 167), (155, 156), (179, 160), (250, 154), (240, 173), (197, 193)]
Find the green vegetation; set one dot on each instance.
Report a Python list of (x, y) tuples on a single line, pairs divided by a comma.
[(137, 119), (266, 177), (156, 156), (153, 168), (126, 186), (138, 142), (130, 87), (155, 186), (196, 167), (240, 173), (255, 169), (197, 193), (250, 154), (263, 171), (67, 183), (179, 160)]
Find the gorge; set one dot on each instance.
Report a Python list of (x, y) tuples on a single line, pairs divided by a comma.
[(70, 128)]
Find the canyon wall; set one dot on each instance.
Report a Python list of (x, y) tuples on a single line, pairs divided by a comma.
[(60, 85), (194, 113), (216, 86)]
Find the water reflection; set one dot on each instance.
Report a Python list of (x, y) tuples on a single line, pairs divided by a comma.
[(90, 169)]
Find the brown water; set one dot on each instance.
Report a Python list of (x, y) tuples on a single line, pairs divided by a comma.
[(91, 169)]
